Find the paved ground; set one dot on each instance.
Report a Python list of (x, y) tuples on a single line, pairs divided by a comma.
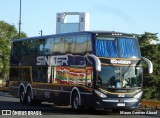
[(13, 106)]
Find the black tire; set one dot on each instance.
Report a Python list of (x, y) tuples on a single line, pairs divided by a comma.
[(29, 97), (75, 101), (30, 100), (23, 96)]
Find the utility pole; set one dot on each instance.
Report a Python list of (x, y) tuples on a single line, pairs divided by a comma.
[(41, 32), (20, 21)]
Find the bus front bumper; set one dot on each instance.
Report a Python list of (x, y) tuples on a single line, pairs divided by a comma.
[(118, 103)]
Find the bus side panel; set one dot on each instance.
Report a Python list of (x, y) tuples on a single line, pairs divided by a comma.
[(86, 95), (42, 91), (61, 94), (87, 100), (14, 88)]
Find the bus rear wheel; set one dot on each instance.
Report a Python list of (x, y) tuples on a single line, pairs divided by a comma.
[(29, 97), (75, 101), (23, 96)]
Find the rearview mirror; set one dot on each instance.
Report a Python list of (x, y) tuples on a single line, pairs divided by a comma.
[(150, 65)]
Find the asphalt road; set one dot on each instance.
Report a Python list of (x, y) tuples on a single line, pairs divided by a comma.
[(11, 105)]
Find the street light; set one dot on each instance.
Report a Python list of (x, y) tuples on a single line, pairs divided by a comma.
[(20, 20)]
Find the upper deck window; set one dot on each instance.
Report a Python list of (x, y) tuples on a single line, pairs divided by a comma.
[(75, 44), (81, 44), (129, 48), (121, 47), (107, 47), (59, 44)]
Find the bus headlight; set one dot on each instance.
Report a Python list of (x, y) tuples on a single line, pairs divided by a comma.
[(138, 95), (100, 94)]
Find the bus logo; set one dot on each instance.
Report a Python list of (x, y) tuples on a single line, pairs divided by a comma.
[(120, 62), (52, 60)]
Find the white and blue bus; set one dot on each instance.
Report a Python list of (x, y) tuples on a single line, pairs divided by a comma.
[(82, 69)]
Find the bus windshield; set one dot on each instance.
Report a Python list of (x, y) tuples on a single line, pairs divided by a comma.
[(120, 77)]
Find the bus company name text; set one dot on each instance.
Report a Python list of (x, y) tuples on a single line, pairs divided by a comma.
[(52, 60), (120, 62)]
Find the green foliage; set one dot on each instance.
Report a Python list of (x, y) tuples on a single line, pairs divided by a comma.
[(151, 82), (147, 38), (7, 34)]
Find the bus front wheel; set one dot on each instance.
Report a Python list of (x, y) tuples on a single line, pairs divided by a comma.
[(75, 101)]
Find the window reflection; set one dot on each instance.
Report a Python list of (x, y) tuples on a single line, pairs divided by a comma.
[(70, 44), (40, 74), (120, 77), (81, 44), (52, 45)]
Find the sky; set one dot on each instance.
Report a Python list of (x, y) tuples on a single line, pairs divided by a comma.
[(129, 16)]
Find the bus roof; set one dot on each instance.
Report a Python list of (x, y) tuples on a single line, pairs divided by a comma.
[(109, 33)]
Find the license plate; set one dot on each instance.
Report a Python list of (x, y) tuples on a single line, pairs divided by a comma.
[(120, 104)]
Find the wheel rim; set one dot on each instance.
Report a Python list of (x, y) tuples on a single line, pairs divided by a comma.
[(28, 99), (22, 96), (76, 102)]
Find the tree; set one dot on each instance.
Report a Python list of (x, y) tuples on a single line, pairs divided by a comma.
[(151, 49), (7, 34)]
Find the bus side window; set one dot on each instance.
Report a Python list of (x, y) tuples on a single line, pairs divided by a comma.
[(26, 74), (14, 74), (16, 52), (32, 47), (81, 44), (35, 74), (39, 46), (59, 44), (89, 73), (69, 46), (25, 48), (49, 46), (89, 44), (40, 74)]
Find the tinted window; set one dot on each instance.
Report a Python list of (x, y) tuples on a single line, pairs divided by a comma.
[(40, 74), (16, 47), (16, 53), (26, 74), (14, 74), (39, 46), (81, 44), (32, 47), (59, 44), (49, 46), (69, 46), (89, 44), (25, 48)]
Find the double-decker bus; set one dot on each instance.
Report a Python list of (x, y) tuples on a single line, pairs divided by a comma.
[(82, 69)]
